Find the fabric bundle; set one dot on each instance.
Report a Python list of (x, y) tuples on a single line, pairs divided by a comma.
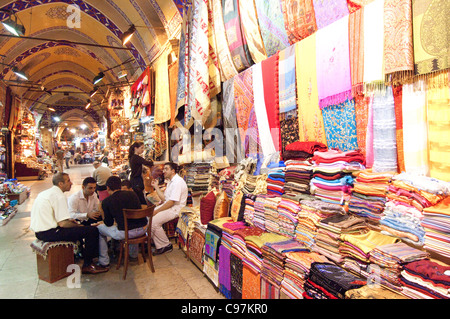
[(271, 214), (296, 270), (436, 224), (392, 257), (329, 281), (258, 214), (425, 279), (288, 209), (249, 209), (302, 150), (276, 180), (198, 177), (297, 176)]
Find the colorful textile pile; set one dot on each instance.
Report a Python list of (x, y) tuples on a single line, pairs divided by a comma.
[(369, 194), (329, 281), (425, 279), (297, 176), (271, 214), (392, 257), (276, 179), (296, 270), (288, 209), (249, 209), (436, 224), (198, 178)]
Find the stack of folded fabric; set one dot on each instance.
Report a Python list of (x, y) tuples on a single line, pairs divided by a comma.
[(249, 210), (189, 216), (271, 214), (198, 178), (311, 213), (425, 279), (368, 197), (408, 195), (296, 270), (297, 176), (274, 255), (391, 258), (226, 181), (329, 281), (372, 292), (253, 184), (302, 150), (258, 213), (288, 209), (436, 224), (330, 229), (275, 179)]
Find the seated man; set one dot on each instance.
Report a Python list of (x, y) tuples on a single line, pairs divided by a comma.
[(113, 207), (172, 201), (84, 205), (126, 185), (50, 220)]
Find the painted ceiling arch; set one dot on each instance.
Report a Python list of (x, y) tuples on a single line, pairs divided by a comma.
[(93, 46)]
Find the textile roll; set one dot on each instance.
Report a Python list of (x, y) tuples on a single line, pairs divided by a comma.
[(438, 101), (384, 134), (271, 24), (327, 12), (270, 81), (340, 126), (398, 46), (415, 137), (251, 32), (236, 41), (333, 63), (286, 80), (299, 19), (310, 118), (162, 97), (356, 48), (227, 68), (431, 32), (373, 42)]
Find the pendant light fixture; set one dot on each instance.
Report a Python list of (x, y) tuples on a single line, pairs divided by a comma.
[(127, 35), (13, 26), (98, 78), (19, 73)]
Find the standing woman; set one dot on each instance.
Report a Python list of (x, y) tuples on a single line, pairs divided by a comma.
[(136, 161)]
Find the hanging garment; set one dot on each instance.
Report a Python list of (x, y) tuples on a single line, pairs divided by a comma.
[(226, 64), (438, 100), (310, 118), (373, 41), (286, 82), (299, 19), (162, 97), (362, 118), (329, 11), (182, 63), (397, 91), (369, 133), (271, 24), (384, 133), (233, 145), (173, 78), (333, 63), (251, 32), (356, 48), (431, 31), (398, 45), (415, 137)]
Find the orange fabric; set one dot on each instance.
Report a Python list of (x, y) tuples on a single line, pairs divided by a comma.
[(251, 283)]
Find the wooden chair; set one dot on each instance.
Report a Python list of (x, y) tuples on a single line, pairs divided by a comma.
[(124, 244)]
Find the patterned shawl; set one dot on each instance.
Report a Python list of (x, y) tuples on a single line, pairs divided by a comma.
[(384, 135), (286, 76), (356, 47), (431, 32), (183, 60), (309, 115), (397, 91), (328, 11), (271, 23), (236, 41), (362, 118), (162, 97), (333, 63), (233, 143), (251, 32), (299, 19)]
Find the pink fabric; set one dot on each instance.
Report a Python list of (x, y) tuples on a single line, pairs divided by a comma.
[(102, 195)]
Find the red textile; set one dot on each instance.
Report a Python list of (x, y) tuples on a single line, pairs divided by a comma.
[(207, 204), (308, 147)]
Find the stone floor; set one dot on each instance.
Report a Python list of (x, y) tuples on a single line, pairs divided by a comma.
[(175, 276)]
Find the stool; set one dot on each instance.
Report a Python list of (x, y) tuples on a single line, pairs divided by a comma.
[(52, 259), (170, 229)]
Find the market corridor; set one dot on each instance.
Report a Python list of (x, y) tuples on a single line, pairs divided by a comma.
[(175, 276)]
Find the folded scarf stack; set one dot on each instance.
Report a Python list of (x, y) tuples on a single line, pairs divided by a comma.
[(436, 224), (297, 176), (276, 180), (302, 150), (288, 209)]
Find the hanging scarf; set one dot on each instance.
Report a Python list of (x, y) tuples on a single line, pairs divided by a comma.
[(431, 33), (356, 47), (362, 118), (333, 63), (398, 46), (173, 77), (299, 19), (236, 41), (373, 42), (182, 64), (309, 115), (251, 32), (226, 64), (438, 101), (397, 90), (329, 11), (271, 23), (287, 86), (162, 97), (233, 143), (369, 133), (384, 135)]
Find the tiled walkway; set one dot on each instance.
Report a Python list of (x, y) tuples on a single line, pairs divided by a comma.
[(175, 277)]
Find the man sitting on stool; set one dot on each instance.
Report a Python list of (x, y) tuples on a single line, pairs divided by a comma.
[(50, 220), (172, 201)]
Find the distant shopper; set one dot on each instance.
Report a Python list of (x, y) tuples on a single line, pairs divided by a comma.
[(126, 185), (59, 160), (101, 175), (67, 157), (136, 161), (51, 221)]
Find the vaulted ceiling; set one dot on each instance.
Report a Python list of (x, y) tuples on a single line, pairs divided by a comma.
[(63, 49)]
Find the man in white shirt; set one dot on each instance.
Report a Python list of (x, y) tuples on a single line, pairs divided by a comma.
[(172, 201), (50, 220), (84, 205)]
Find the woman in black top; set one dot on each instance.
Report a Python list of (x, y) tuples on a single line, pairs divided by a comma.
[(136, 161)]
